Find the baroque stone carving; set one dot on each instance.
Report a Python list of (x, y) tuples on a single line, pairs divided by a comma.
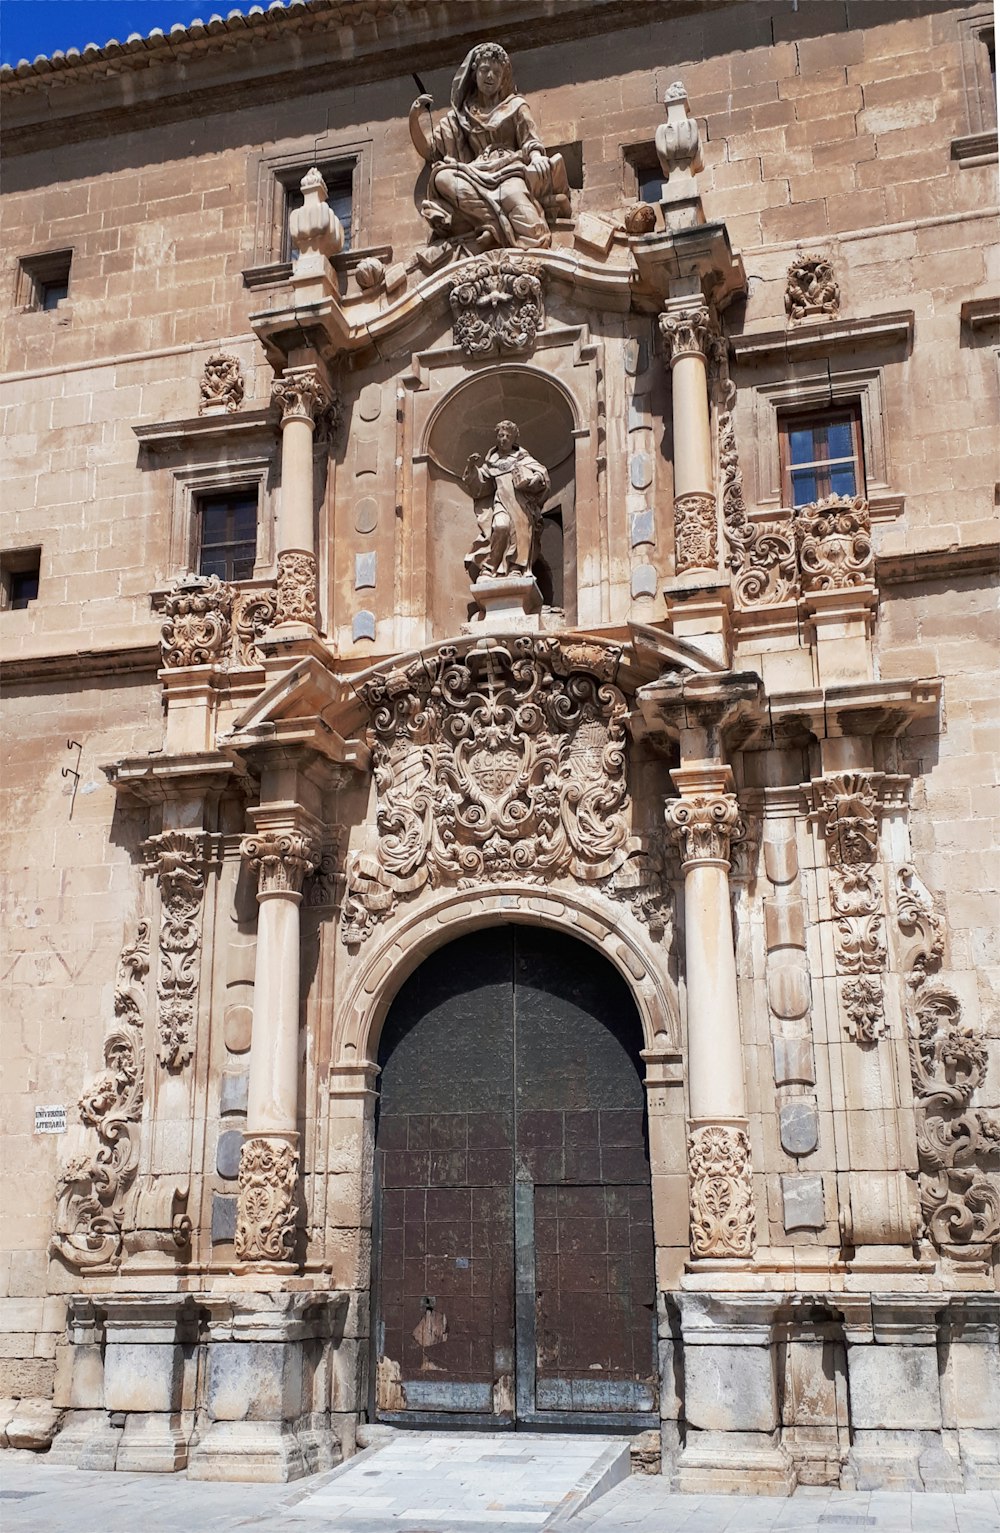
[(496, 306), (677, 141), (491, 183), (208, 622), (296, 597), (847, 802), (640, 884), (300, 395), (281, 860), (266, 1206), (503, 763), (865, 1009), (322, 886), (696, 537), (704, 825), (721, 1191), (178, 857), (91, 1189), (509, 521), (314, 227), (222, 387), (833, 539), (686, 331), (761, 554), (811, 288), (959, 1197)]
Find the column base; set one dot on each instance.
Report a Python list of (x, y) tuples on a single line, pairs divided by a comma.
[(901, 1460), (734, 1463), (265, 1451), (152, 1443)]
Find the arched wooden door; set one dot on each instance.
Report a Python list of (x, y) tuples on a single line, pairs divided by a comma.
[(514, 1244)]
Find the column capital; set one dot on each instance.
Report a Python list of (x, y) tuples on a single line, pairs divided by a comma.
[(302, 393), (284, 848), (705, 820), (687, 328)]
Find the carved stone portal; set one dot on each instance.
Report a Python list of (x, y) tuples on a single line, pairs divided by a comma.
[(504, 763)]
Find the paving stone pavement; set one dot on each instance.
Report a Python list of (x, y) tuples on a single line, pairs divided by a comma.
[(36, 1497)]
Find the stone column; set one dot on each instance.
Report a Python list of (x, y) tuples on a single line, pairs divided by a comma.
[(303, 395), (704, 821), (285, 848), (686, 328)]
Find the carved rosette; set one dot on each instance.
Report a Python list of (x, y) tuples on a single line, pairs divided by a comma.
[(847, 804), (864, 1009), (834, 543), (178, 859), (296, 598), (281, 860), (222, 387), (196, 622), (686, 332), (704, 826), (497, 306), (696, 536), (90, 1191), (266, 1207), (721, 1191), (811, 289), (503, 763), (957, 1144)]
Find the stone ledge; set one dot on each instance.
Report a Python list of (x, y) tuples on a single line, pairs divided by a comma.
[(810, 339), (938, 564)]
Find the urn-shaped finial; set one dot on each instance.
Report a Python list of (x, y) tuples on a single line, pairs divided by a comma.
[(315, 226), (678, 145)]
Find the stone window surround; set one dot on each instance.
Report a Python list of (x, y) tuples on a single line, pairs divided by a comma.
[(979, 145), (34, 271), (862, 387), (192, 481), (17, 561), (273, 171)]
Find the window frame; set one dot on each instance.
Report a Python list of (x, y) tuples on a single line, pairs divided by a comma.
[(194, 483), (19, 561), (283, 169), (39, 271), (641, 164), (240, 495), (792, 420)]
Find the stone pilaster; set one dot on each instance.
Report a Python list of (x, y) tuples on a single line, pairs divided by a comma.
[(285, 848), (704, 821)]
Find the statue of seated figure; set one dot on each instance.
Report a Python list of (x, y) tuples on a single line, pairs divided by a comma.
[(491, 183)]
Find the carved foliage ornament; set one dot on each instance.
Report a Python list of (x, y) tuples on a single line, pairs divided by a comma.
[(207, 622), (847, 804), (959, 1196), (178, 857), (834, 543), (497, 306), (811, 288), (696, 537), (721, 1191), (864, 1009), (266, 1206), (282, 860), (501, 764), (296, 602), (687, 331), (91, 1188), (704, 825), (222, 387), (761, 554)]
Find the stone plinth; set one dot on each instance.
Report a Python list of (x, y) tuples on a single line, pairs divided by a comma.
[(506, 603)]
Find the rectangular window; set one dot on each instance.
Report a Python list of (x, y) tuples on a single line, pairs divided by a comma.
[(340, 189), (44, 280), (227, 534), (821, 455), (19, 571)]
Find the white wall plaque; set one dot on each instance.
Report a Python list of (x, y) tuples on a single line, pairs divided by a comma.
[(50, 1120)]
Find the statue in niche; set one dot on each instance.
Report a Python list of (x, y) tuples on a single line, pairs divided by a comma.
[(491, 183), (510, 519)]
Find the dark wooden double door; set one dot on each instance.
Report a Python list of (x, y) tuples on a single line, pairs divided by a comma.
[(514, 1272)]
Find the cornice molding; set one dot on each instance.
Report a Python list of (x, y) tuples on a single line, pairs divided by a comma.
[(937, 564), (814, 339), (22, 670)]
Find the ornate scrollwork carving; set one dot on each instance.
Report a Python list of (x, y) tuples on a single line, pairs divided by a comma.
[(91, 1189), (296, 588), (196, 623), (323, 885), (959, 1198), (721, 1191), (281, 859), (222, 387), (833, 539), (496, 306), (640, 884), (178, 858), (686, 331), (811, 288), (864, 1008), (253, 614), (847, 804), (704, 825), (266, 1208), (507, 762), (696, 535), (761, 554)]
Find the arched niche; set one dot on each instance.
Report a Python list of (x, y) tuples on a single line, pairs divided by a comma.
[(463, 423)]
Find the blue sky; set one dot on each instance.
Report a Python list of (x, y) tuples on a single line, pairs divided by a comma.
[(30, 27)]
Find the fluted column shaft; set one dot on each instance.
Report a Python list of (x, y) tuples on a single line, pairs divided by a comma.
[(704, 821)]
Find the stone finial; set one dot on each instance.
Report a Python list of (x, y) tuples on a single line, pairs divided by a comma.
[(678, 148), (315, 227)]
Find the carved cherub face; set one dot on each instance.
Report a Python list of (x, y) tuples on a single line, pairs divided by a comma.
[(508, 435)]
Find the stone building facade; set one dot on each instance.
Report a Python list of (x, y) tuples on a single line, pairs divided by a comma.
[(500, 737)]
